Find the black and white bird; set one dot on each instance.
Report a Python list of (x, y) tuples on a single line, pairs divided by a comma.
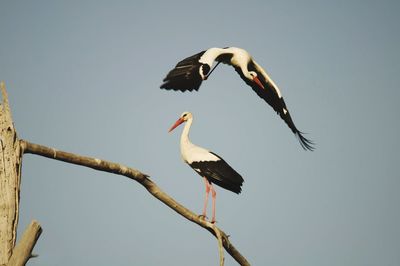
[(207, 164), (189, 73)]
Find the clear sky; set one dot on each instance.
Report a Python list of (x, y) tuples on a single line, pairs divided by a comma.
[(84, 77)]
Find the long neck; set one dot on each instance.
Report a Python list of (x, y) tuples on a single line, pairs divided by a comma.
[(185, 133)]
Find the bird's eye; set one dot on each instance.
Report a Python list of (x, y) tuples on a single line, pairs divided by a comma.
[(184, 115)]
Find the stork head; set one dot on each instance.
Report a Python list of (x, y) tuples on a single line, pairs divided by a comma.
[(185, 116), (254, 77)]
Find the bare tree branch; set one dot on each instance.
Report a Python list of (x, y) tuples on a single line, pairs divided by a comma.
[(144, 180), (23, 250)]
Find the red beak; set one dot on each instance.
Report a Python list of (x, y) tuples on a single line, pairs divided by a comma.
[(177, 123), (258, 82)]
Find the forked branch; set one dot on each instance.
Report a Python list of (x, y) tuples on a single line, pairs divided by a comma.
[(144, 180)]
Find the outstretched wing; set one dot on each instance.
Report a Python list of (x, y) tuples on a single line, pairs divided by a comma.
[(272, 95), (185, 76)]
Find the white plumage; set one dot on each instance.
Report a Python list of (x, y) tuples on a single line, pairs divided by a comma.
[(207, 164)]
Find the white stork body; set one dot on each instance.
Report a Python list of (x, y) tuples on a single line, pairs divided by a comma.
[(207, 164), (189, 74)]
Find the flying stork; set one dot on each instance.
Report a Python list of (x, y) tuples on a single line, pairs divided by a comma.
[(189, 73), (207, 164)]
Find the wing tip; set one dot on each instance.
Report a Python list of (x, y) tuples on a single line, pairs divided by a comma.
[(305, 143), (168, 85), (239, 189), (235, 188)]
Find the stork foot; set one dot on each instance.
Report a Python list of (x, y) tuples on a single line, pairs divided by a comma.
[(202, 216)]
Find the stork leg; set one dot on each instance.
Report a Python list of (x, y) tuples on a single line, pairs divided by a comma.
[(208, 187), (214, 197)]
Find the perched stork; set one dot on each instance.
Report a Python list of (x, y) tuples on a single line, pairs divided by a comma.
[(207, 164), (189, 73)]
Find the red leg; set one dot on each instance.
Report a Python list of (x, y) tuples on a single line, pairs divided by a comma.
[(214, 197), (208, 186)]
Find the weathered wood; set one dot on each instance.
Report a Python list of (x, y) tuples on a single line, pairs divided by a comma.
[(144, 180), (23, 251), (94, 163), (10, 178), (220, 246)]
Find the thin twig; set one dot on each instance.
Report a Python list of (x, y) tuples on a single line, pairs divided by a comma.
[(143, 179), (220, 245)]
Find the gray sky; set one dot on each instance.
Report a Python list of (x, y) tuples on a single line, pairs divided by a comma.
[(84, 76)]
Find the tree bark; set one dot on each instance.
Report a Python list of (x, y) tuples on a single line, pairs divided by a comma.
[(23, 251), (10, 178)]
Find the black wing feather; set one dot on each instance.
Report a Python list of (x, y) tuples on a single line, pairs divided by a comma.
[(220, 173), (270, 95), (185, 76)]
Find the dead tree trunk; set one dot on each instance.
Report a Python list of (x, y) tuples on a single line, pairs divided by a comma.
[(10, 177), (10, 180)]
